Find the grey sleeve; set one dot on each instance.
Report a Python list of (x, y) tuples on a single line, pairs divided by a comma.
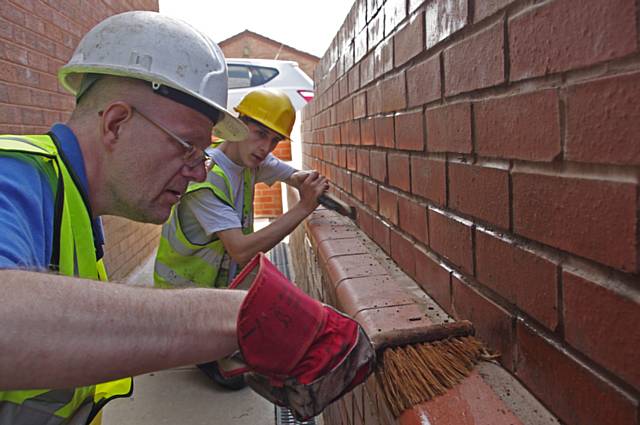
[(202, 214), (272, 170)]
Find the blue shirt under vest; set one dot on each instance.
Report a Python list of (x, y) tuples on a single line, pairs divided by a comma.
[(27, 207)]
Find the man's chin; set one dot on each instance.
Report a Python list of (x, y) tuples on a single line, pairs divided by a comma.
[(159, 215)]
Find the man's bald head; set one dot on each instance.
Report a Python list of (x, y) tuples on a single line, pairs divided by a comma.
[(107, 89)]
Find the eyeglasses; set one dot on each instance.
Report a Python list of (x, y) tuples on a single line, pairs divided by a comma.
[(193, 156)]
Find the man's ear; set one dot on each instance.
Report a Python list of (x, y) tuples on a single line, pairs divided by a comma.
[(113, 117)]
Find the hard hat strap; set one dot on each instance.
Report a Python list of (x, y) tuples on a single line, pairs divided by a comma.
[(186, 100), (88, 80)]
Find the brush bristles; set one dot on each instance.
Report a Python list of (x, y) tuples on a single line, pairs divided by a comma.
[(415, 373)]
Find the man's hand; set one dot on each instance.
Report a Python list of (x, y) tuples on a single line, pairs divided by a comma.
[(302, 354), (310, 185)]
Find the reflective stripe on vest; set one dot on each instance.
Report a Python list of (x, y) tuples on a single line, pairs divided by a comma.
[(181, 262), (73, 255)]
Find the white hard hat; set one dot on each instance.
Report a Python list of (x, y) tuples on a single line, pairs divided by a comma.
[(178, 60)]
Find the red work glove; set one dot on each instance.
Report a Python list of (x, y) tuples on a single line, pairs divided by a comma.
[(301, 354)]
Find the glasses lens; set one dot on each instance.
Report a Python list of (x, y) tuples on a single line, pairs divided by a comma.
[(208, 163), (195, 157)]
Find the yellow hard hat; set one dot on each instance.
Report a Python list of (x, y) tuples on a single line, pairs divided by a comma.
[(269, 107)]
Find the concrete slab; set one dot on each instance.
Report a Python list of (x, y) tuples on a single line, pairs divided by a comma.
[(186, 396)]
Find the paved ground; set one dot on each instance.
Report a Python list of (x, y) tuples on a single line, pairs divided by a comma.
[(184, 395)]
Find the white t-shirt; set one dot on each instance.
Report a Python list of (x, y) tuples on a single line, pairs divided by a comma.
[(202, 214)]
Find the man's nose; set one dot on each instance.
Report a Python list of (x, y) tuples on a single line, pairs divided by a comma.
[(197, 174)]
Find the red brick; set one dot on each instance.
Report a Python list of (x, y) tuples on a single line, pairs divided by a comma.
[(487, 8), (383, 58), (423, 82), (493, 324), (367, 70), (434, 278), (394, 93), (342, 157), (602, 323), (381, 235), (409, 41), (347, 58), (571, 34), (403, 253), (603, 121), (428, 179), (384, 132), (412, 218), (13, 14), (414, 5), (360, 105), (410, 131), (394, 12), (352, 163), (570, 389), (353, 128), (481, 192), (332, 135), (444, 18), (356, 295), (531, 119), (374, 99), (591, 218), (357, 187), (378, 164), (367, 132), (363, 161), (360, 46), (472, 401), (527, 280), (449, 128), (451, 239), (483, 53), (371, 194), (399, 176), (388, 204), (345, 110), (365, 221), (376, 30), (343, 179)]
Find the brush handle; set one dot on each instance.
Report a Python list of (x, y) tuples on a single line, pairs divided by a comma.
[(329, 201), (430, 333)]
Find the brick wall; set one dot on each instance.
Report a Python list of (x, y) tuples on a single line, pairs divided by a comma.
[(491, 148), (267, 201), (37, 38)]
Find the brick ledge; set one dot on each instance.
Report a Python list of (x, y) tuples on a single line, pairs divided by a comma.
[(360, 279)]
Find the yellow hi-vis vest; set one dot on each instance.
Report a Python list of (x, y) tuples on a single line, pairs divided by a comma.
[(73, 254), (184, 263)]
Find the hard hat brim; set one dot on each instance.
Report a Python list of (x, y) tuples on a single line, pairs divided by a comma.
[(228, 126)]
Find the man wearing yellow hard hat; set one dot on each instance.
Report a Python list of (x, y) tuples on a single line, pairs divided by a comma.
[(209, 236)]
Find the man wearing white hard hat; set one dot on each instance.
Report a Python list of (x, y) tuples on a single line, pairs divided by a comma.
[(150, 89)]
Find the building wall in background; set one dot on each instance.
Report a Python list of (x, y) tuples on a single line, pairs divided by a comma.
[(37, 38), (491, 149), (248, 44)]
